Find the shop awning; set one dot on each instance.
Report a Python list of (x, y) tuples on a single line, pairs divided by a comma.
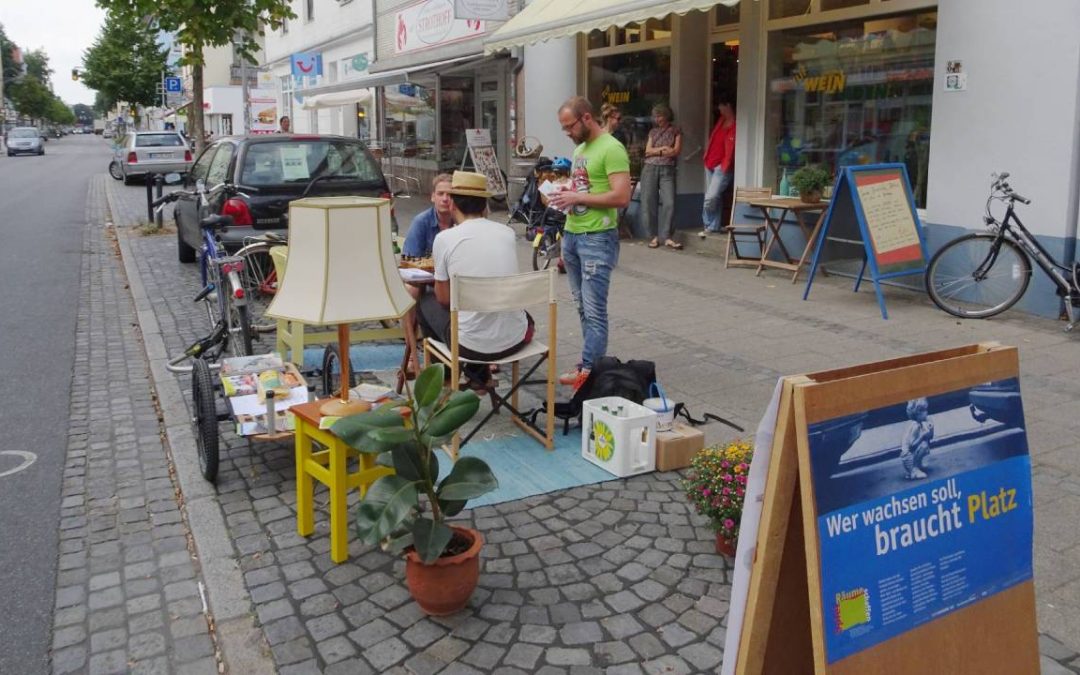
[(332, 100), (550, 19)]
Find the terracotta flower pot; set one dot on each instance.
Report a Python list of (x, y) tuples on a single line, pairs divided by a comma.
[(811, 196), (444, 586), (725, 546)]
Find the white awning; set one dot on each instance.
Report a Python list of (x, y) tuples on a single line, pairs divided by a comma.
[(334, 99), (550, 19)]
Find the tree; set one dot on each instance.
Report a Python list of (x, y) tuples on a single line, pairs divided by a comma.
[(83, 113), (32, 98), (12, 70), (60, 113), (198, 24), (125, 62), (37, 66)]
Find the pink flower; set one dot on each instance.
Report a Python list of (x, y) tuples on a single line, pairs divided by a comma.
[(727, 477), (739, 491), (729, 523), (726, 491), (724, 464), (706, 491)]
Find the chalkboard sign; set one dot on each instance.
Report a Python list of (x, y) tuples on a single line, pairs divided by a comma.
[(878, 197)]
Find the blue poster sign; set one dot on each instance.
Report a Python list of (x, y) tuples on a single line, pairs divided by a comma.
[(173, 85), (306, 64), (923, 508), (407, 89)]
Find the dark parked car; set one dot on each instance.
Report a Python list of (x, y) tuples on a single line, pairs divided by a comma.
[(253, 179)]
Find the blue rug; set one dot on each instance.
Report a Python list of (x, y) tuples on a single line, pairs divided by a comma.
[(362, 358), (524, 468)]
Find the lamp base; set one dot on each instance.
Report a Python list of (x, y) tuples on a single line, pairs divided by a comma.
[(337, 408)]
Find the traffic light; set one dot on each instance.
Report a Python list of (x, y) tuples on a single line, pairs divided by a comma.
[(75, 74)]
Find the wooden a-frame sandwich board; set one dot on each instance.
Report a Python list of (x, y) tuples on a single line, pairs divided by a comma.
[(965, 602)]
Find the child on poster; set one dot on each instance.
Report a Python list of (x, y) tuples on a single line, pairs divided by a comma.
[(916, 444)]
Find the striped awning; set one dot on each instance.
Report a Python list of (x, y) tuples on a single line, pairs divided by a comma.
[(550, 19)]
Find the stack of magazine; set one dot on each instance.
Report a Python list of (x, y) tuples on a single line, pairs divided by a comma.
[(246, 381)]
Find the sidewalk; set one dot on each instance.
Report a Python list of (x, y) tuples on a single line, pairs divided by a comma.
[(617, 577)]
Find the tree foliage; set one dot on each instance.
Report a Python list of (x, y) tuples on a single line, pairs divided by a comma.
[(83, 113), (32, 98), (12, 70), (125, 62), (37, 66), (198, 24)]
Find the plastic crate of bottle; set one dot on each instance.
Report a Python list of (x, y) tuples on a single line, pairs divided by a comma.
[(619, 436)]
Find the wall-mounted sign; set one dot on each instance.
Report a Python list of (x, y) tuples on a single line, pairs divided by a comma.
[(432, 23), (829, 82), (492, 10), (306, 64), (614, 97), (955, 77), (354, 66)]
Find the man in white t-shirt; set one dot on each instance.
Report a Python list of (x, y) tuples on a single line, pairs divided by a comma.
[(475, 247)]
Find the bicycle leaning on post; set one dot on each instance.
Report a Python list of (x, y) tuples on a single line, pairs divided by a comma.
[(982, 274), (223, 293)]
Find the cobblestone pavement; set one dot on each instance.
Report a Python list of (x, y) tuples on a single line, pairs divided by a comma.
[(618, 577), (127, 598)]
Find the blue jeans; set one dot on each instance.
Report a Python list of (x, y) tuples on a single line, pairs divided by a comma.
[(589, 260), (716, 183)]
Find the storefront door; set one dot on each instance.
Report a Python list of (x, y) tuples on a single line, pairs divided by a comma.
[(490, 113)]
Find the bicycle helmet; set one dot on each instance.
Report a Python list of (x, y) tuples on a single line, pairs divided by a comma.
[(561, 164)]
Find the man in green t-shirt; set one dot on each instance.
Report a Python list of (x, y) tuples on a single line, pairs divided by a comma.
[(600, 185)]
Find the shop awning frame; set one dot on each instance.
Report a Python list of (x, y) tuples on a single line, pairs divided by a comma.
[(387, 78), (544, 20)]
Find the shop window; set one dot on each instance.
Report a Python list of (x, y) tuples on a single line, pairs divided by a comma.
[(725, 16), (849, 93), (826, 5), (781, 9), (631, 34), (634, 81), (410, 121), (458, 98)]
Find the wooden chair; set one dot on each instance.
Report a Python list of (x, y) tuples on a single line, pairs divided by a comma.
[(747, 233), (499, 294)]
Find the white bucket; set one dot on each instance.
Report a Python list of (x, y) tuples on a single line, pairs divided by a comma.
[(665, 412)]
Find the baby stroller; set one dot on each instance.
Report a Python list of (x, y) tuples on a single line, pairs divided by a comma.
[(543, 225)]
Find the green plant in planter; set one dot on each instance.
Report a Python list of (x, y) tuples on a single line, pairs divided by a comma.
[(811, 178), (392, 513)]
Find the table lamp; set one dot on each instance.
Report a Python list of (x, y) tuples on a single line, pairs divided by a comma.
[(341, 270)]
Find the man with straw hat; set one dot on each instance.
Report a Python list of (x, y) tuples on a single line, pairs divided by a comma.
[(477, 247)]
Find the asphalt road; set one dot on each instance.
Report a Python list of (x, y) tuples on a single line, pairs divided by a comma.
[(42, 221)]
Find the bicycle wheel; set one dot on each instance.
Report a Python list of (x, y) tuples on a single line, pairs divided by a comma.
[(548, 252), (331, 371), (260, 282), (976, 276), (204, 418), (240, 342)]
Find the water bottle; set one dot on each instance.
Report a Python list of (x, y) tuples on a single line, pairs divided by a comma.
[(785, 187), (581, 184)]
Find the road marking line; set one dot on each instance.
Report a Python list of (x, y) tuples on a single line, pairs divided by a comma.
[(28, 458)]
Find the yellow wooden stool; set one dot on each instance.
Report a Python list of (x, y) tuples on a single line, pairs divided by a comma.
[(329, 467)]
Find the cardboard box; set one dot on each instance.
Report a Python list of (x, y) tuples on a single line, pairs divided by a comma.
[(675, 448)]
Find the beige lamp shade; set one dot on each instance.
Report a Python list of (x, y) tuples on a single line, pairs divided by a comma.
[(341, 266)]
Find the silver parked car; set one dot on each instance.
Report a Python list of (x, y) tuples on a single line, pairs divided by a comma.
[(24, 140), (148, 152)]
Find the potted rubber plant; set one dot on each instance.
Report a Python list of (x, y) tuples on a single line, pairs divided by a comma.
[(810, 180), (406, 512)]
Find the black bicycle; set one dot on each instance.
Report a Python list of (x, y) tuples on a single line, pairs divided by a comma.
[(982, 274)]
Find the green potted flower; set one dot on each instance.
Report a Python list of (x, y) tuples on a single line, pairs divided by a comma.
[(716, 486), (407, 512), (810, 180)]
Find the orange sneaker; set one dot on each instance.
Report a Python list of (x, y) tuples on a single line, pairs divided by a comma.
[(574, 379)]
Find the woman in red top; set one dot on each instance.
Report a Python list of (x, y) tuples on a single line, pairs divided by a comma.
[(719, 167)]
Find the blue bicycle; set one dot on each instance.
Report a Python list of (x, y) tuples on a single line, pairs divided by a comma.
[(223, 291)]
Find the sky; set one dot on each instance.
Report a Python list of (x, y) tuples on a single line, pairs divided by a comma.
[(64, 29)]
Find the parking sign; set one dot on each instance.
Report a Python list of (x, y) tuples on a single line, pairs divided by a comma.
[(172, 85)]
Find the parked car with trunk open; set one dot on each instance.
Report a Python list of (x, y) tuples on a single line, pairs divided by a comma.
[(253, 179)]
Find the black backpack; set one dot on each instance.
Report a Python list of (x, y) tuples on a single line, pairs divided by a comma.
[(608, 377)]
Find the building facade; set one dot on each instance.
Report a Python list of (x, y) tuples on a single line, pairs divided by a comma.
[(953, 91)]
